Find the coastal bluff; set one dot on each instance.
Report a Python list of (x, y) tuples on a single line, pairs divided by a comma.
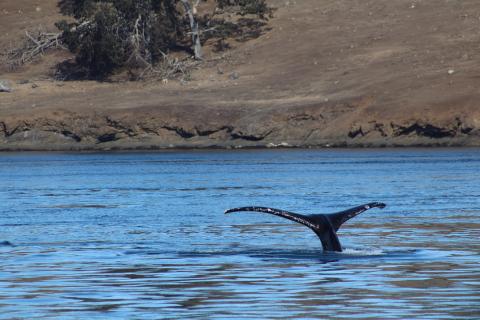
[(332, 73)]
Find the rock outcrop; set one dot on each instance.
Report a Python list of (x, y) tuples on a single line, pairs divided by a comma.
[(152, 128)]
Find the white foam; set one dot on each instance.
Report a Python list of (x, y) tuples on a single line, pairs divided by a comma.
[(363, 252)]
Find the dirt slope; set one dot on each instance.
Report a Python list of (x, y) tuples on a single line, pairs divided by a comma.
[(329, 73)]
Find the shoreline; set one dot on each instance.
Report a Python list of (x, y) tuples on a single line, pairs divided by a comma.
[(240, 149), (342, 124), (341, 84)]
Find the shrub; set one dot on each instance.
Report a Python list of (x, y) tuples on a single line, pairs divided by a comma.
[(258, 7), (109, 35), (112, 34)]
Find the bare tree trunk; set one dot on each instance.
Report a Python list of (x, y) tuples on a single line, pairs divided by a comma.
[(191, 11)]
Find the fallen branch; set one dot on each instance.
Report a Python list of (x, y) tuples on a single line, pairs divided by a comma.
[(31, 48), (35, 45), (169, 68), (204, 30)]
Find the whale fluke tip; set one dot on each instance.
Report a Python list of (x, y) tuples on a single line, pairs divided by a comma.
[(381, 205), (239, 209)]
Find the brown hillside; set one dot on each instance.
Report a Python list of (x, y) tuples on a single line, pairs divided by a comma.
[(330, 72)]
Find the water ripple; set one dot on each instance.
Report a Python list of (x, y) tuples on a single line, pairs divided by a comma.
[(143, 235)]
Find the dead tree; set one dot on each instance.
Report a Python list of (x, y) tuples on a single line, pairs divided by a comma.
[(191, 11), (33, 46), (37, 44)]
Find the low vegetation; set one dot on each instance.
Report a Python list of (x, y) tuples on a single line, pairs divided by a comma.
[(139, 36)]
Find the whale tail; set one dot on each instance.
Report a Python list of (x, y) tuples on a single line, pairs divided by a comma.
[(325, 226), (341, 217)]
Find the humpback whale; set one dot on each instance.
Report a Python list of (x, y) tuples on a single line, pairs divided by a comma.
[(325, 226)]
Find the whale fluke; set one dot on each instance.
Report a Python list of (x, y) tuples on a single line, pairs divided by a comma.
[(325, 226), (341, 217)]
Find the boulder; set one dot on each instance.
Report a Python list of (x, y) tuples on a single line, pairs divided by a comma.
[(4, 86)]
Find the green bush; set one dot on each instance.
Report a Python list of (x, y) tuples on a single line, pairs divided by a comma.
[(258, 7), (109, 35), (119, 33)]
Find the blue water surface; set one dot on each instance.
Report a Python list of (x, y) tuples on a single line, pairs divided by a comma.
[(143, 235)]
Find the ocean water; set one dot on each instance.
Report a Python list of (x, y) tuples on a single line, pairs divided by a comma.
[(143, 235)]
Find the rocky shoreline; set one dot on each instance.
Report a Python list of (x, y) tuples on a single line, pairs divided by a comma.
[(341, 125), (326, 74)]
